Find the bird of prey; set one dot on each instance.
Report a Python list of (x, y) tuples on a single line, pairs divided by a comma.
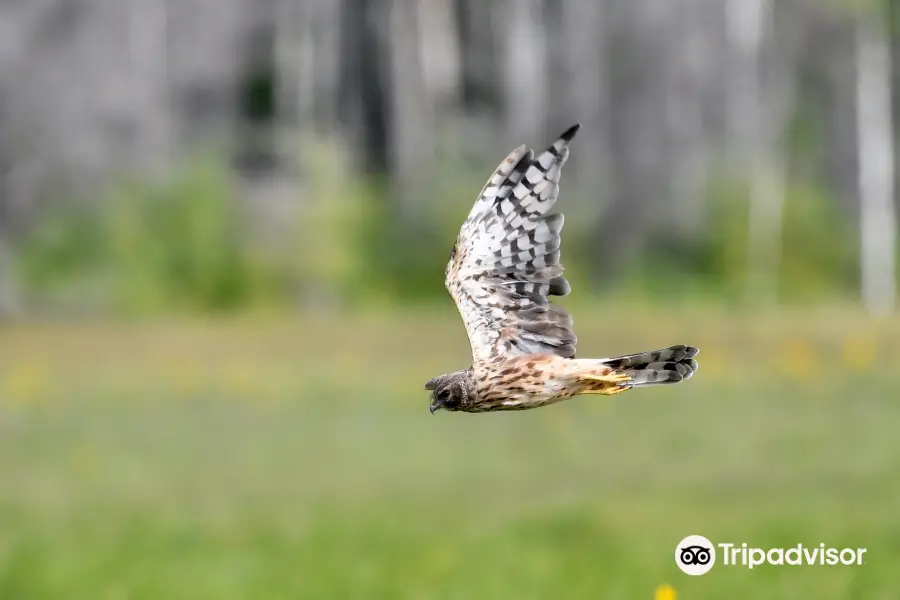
[(503, 267)]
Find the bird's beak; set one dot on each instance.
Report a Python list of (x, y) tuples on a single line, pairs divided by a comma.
[(434, 406)]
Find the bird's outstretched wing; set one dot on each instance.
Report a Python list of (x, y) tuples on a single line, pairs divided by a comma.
[(506, 260)]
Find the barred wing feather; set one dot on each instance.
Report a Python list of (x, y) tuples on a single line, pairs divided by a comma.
[(505, 262)]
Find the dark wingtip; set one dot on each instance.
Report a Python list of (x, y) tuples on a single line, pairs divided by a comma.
[(569, 133)]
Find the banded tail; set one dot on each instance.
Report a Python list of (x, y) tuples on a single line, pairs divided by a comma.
[(669, 365)]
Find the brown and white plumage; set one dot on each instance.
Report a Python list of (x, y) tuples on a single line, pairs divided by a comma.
[(502, 269)]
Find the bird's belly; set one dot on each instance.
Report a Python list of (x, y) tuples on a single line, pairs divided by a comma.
[(519, 384)]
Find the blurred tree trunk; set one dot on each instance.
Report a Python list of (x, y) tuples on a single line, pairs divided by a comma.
[(295, 53), (308, 62), (478, 52), (149, 53), (745, 24), (308, 54), (440, 52), (9, 300), (759, 107), (637, 134), (411, 116), (524, 69), (876, 164), (8, 288), (687, 58), (327, 63), (584, 97), (362, 102), (893, 15), (836, 55)]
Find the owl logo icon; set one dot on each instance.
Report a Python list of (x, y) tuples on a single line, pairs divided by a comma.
[(695, 555)]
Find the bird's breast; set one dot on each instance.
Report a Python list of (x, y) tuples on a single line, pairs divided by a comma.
[(518, 382)]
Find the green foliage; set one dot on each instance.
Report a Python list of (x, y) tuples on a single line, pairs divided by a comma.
[(818, 250), (67, 244), (178, 245), (876, 10), (406, 248), (819, 246), (339, 243), (404, 259), (187, 245)]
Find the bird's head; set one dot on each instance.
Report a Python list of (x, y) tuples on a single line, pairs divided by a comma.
[(448, 392)]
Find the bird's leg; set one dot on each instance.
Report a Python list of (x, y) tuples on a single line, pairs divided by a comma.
[(613, 377), (615, 383)]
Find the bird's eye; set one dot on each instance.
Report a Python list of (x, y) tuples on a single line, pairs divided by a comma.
[(444, 394)]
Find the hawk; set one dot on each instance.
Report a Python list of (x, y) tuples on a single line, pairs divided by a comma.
[(503, 267)]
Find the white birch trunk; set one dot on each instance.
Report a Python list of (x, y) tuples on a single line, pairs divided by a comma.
[(757, 121), (524, 70), (876, 167), (745, 24), (440, 52), (412, 119), (310, 52), (687, 52)]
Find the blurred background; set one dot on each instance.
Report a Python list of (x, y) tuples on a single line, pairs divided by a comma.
[(223, 229)]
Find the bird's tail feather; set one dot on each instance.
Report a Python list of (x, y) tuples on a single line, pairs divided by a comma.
[(669, 365)]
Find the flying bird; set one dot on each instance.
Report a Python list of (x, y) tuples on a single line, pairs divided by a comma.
[(502, 269)]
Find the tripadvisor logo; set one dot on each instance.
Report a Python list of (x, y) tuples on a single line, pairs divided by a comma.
[(696, 555)]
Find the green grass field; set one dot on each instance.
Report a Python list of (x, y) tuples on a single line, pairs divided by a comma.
[(298, 459)]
